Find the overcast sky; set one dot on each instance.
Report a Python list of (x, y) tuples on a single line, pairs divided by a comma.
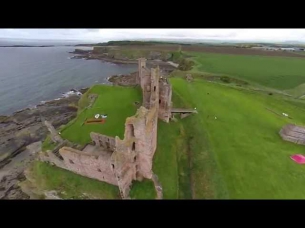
[(103, 35)]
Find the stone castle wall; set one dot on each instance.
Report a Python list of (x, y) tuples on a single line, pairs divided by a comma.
[(103, 141), (149, 84), (96, 165)]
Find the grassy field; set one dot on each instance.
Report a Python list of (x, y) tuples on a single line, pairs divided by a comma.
[(298, 91), (117, 102), (137, 53), (240, 154), (143, 190), (282, 73), (185, 168)]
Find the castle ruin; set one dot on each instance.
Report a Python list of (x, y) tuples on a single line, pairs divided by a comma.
[(121, 161)]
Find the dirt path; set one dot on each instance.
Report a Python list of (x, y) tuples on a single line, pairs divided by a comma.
[(158, 186), (173, 64), (190, 163)]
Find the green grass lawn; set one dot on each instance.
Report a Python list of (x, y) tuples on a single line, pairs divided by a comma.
[(115, 101), (275, 72), (143, 190), (240, 154)]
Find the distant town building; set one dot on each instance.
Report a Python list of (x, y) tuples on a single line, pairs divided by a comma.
[(268, 48)]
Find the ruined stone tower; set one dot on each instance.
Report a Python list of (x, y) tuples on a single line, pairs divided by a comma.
[(141, 65), (133, 157), (149, 84), (165, 100)]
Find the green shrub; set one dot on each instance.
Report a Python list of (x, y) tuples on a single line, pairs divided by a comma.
[(225, 79), (185, 65)]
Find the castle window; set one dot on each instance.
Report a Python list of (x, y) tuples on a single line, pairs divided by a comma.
[(159, 101), (99, 171), (131, 130), (135, 158), (133, 146), (154, 88), (71, 161), (107, 145), (112, 166)]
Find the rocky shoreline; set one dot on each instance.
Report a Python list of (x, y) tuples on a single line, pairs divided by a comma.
[(88, 55), (24, 128)]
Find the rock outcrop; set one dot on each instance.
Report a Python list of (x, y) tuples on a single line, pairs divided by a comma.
[(293, 133)]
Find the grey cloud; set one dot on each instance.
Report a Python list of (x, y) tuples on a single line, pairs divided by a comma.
[(102, 35), (92, 30)]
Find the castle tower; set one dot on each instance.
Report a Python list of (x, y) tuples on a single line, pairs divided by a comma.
[(141, 66), (165, 100)]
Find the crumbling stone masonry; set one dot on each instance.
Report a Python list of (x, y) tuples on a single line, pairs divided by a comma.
[(189, 77), (121, 161), (165, 100), (103, 141), (293, 133)]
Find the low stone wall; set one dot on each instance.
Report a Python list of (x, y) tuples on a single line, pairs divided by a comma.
[(55, 137), (51, 158), (93, 165)]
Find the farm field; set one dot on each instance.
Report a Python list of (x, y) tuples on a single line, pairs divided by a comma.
[(282, 73), (238, 51)]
